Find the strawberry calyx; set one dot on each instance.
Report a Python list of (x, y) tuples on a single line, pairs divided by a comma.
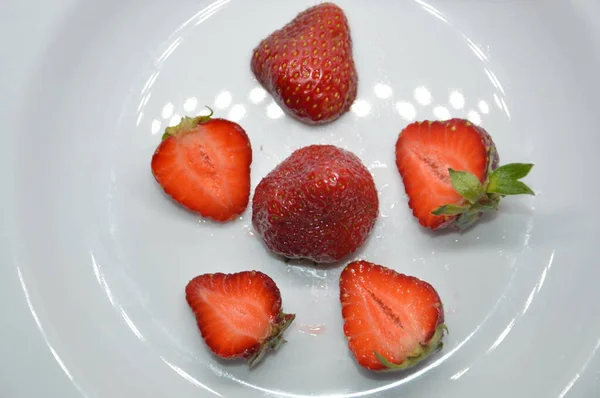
[(187, 124), (481, 198), (420, 353), (274, 341)]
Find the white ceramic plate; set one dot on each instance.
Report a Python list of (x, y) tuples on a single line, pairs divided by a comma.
[(95, 258)]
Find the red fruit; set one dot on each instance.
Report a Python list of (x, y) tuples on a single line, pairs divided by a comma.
[(239, 315), (204, 165), (451, 174), (320, 203), (307, 65), (392, 321)]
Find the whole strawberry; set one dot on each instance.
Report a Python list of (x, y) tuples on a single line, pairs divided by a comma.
[(320, 203), (391, 321), (239, 315), (204, 165), (308, 66), (451, 174)]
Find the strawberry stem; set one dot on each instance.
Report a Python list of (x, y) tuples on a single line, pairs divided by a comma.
[(274, 341), (187, 123), (420, 353)]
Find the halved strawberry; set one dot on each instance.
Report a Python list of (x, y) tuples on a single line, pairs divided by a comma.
[(451, 175), (392, 321), (204, 165), (239, 315)]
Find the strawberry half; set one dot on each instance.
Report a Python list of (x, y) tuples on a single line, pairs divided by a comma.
[(392, 321), (239, 315), (451, 175), (308, 67), (204, 165)]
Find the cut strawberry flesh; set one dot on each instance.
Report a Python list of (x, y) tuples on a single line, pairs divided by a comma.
[(206, 170), (235, 314), (386, 312), (424, 153)]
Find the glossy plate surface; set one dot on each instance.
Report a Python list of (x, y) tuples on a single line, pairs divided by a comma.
[(95, 258)]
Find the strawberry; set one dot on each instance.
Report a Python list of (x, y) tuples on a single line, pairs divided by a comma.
[(308, 66), (392, 321), (239, 315), (204, 165), (451, 174), (320, 203)]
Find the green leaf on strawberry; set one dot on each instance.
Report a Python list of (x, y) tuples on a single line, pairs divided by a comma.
[(505, 180), (466, 184), (484, 197), (187, 124), (450, 210)]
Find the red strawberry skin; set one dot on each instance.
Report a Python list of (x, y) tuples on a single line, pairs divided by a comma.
[(204, 165), (320, 203), (398, 317), (308, 66), (424, 153), (239, 315)]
